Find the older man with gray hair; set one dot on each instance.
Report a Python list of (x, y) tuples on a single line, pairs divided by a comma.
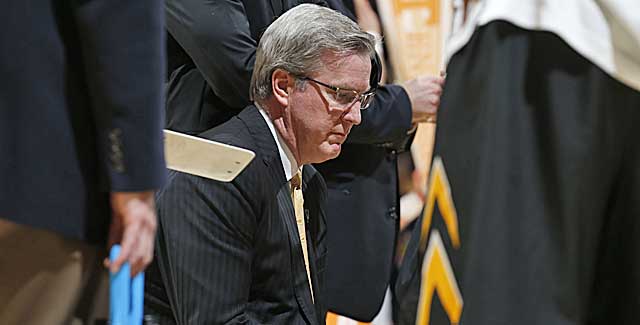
[(253, 250)]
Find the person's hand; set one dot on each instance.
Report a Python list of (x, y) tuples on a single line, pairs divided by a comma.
[(424, 93), (133, 226)]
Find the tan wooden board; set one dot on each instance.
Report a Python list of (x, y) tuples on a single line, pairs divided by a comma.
[(205, 158)]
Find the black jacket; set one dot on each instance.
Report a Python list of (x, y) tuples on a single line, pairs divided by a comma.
[(80, 110), (229, 252), (211, 53)]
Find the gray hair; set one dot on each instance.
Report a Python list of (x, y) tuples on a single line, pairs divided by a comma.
[(296, 41)]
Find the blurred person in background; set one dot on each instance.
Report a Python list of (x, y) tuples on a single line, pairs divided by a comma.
[(538, 134), (81, 145)]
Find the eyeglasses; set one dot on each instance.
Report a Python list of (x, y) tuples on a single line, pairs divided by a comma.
[(347, 97)]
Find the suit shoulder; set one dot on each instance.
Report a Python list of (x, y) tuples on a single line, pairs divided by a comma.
[(233, 132)]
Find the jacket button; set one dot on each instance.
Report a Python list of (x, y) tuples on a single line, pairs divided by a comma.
[(391, 155), (116, 155), (393, 214)]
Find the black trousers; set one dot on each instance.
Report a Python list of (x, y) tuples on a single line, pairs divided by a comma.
[(541, 151)]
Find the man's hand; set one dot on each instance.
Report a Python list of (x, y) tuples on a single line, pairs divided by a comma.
[(133, 226), (424, 93)]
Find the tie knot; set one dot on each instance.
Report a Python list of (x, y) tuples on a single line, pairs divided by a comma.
[(296, 181)]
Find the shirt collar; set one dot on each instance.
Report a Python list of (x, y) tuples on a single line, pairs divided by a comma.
[(289, 163)]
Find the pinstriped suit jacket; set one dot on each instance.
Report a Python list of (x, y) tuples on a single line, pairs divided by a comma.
[(230, 252)]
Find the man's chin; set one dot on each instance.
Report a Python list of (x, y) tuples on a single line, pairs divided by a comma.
[(330, 152), (336, 148)]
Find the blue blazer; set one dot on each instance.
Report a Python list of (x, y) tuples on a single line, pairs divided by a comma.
[(80, 110)]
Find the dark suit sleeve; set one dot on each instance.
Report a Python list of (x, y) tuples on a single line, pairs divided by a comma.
[(387, 120), (204, 250), (123, 56), (216, 35)]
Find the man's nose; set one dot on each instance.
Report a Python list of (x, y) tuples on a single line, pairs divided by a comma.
[(353, 114)]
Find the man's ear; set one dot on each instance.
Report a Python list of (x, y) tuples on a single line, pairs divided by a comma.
[(280, 83)]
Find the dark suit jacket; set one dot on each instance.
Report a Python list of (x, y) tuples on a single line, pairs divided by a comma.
[(230, 252), (363, 212), (211, 53), (80, 110)]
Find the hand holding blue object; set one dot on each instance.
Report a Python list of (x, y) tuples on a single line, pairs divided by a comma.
[(126, 294)]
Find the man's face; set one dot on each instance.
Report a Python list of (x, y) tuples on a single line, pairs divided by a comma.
[(320, 119)]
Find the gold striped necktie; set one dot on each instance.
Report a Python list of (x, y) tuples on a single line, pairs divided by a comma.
[(298, 205)]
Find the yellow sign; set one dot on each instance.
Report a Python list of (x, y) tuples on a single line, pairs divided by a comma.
[(415, 31), (420, 25)]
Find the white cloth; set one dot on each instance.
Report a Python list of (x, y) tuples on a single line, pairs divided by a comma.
[(605, 32), (411, 205)]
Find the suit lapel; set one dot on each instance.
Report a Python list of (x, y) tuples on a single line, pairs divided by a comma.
[(316, 232), (269, 151), (301, 285), (266, 145)]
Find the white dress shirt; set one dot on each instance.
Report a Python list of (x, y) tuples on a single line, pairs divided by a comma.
[(289, 163)]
